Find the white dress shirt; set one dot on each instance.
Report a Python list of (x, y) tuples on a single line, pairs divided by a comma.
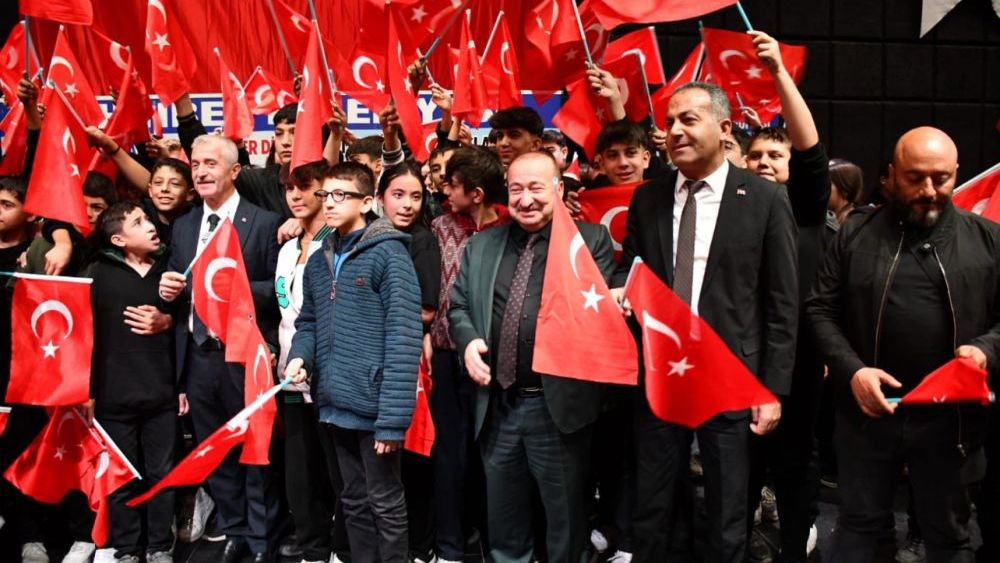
[(708, 198), (225, 211)]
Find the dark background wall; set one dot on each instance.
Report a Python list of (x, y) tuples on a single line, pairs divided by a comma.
[(869, 76)]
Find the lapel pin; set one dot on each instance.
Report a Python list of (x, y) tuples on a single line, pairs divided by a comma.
[(739, 191), (243, 219)]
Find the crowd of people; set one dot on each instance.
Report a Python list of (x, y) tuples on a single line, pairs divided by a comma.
[(364, 262)]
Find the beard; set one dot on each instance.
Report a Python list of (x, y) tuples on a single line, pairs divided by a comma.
[(923, 217)]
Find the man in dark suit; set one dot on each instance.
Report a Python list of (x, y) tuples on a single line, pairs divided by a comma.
[(247, 503), (724, 240), (533, 429)]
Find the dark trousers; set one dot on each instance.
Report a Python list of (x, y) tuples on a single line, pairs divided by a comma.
[(870, 455), (373, 498), (451, 402), (311, 480), (789, 454), (24, 423), (245, 496), (988, 497), (612, 468), (663, 452), (418, 480), (147, 440), (522, 449)]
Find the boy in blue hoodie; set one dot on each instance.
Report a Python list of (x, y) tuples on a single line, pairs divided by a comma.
[(358, 340)]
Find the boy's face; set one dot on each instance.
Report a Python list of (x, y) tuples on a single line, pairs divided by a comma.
[(769, 159), (284, 137), (438, 164), (460, 200), (138, 234), (513, 142), (12, 215), (95, 206), (169, 190), (302, 200), (350, 212), (623, 164), (558, 152)]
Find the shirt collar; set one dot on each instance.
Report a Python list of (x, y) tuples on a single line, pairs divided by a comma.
[(520, 236), (714, 182), (227, 210)]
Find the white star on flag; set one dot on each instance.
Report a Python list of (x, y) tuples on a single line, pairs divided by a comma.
[(204, 451), (379, 86), (161, 41), (60, 452), (418, 14), (754, 71), (74, 171), (50, 348), (678, 368), (71, 90), (302, 106), (592, 297), (571, 54)]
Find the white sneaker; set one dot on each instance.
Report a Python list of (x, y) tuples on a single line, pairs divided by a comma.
[(80, 552), (34, 552), (811, 542), (620, 557), (105, 555), (598, 540), (203, 507)]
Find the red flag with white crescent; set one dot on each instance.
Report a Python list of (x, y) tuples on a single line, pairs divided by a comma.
[(52, 337), (173, 60), (237, 120), (691, 375), (259, 377), (314, 108), (12, 57), (643, 43), (470, 93), (66, 74), (608, 206), (580, 332), (266, 93), (500, 71), (981, 195), (404, 95)]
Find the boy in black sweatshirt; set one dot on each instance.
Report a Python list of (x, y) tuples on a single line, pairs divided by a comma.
[(133, 389)]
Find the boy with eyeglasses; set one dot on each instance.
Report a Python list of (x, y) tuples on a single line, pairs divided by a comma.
[(358, 338)]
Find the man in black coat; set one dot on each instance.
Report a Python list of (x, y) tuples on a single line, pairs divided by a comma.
[(725, 241)]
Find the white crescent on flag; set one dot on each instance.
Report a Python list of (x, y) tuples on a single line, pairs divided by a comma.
[(213, 268)]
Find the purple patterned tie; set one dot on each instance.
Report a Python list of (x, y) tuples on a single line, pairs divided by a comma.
[(507, 352)]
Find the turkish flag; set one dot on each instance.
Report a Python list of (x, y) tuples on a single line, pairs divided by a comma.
[(420, 21), (420, 435), (958, 381), (66, 74), (404, 97), (294, 28), (12, 56), (267, 94), (551, 27), (628, 73), (580, 332), (258, 378), (237, 120), (52, 337), (691, 375), (69, 455), (55, 190), (314, 108), (981, 195), (470, 95), (173, 60), (14, 145), (203, 459), (582, 116), (642, 42), (220, 291), (613, 13), (65, 11), (732, 58), (694, 69), (129, 124), (110, 61), (362, 76), (608, 206), (500, 71)]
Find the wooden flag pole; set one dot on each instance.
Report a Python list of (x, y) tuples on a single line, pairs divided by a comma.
[(489, 41), (645, 85)]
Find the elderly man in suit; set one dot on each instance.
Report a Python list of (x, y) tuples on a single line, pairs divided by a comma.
[(246, 500), (533, 429), (725, 241)]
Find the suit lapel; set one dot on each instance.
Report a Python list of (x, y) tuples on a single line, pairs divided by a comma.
[(243, 221), (664, 213), (189, 244), (729, 215)]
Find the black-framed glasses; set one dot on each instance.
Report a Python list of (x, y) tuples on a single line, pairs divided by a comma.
[(338, 195)]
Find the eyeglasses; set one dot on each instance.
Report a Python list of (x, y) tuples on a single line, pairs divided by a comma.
[(338, 195)]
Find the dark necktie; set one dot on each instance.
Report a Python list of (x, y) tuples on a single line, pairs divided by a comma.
[(507, 352), (684, 261), (200, 330)]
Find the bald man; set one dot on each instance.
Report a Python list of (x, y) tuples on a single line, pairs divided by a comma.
[(903, 290)]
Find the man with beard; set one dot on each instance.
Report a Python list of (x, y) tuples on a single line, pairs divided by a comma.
[(904, 289)]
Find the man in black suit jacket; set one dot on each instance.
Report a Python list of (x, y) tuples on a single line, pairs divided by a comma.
[(536, 427), (740, 276), (247, 503)]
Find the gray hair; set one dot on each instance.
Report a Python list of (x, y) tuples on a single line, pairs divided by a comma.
[(226, 147), (719, 102)]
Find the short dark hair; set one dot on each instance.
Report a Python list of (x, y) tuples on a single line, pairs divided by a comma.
[(621, 131), (286, 114), (111, 220), (554, 136), (99, 185), (518, 116), (371, 146), (476, 167), (17, 186), (359, 174), (178, 166), (776, 134), (305, 174), (439, 151)]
